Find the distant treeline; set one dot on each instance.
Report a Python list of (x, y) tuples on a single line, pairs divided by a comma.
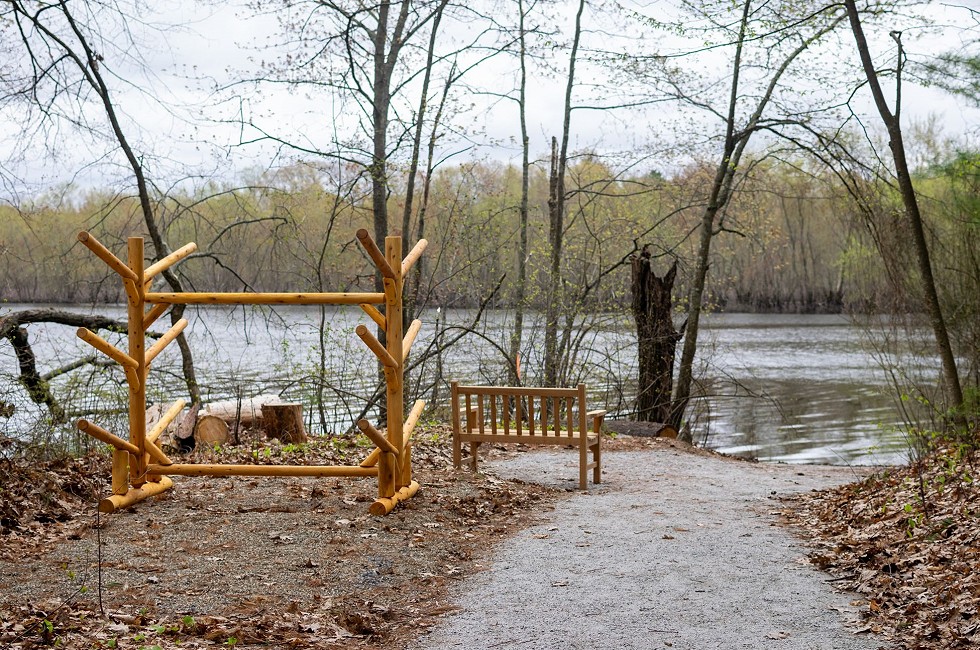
[(792, 240)]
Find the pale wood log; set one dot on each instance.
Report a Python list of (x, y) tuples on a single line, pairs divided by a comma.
[(196, 469), (137, 351), (372, 458), (165, 340), (376, 436), (211, 430), (153, 415), (375, 346), (156, 311), (135, 495), (248, 411), (106, 256), (394, 341), (384, 505), (413, 256), (264, 298), (99, 433), (284, 422), (185, 430), (413, 331), (132, 291), (375, 253), (387, 465), (168, 261), (412, 421), (376, 316), (405, 468), (120, 471), (164, 421), (156, 453), (106, 348)]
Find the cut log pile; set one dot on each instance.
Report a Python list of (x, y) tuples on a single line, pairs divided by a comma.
[(214, 423)]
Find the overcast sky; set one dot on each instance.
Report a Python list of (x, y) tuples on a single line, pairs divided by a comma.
[(174, 112)]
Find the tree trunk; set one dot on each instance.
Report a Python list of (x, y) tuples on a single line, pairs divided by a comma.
[(522, 250), (656, 337), (896, 143)]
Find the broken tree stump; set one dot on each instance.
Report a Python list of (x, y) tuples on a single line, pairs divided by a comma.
[(284, 422)]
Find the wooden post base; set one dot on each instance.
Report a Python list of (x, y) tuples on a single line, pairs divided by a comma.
[(384, 505), (135, 495)]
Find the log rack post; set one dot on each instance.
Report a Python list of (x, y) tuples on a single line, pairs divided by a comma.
[(393, 343), (136, 305)]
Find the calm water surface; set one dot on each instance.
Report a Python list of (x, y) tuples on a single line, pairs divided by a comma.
[(801, 389)]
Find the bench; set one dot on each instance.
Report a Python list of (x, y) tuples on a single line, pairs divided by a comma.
[(532, 416)]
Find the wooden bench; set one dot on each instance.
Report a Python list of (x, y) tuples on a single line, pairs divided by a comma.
[(532, 416)]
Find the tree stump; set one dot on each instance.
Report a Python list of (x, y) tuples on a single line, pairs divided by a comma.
[(211, 430), (284, 422)]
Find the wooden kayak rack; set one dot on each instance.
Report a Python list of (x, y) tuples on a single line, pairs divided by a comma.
[(141, 469)]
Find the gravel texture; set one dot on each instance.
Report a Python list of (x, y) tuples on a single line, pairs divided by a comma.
[(675, 549)]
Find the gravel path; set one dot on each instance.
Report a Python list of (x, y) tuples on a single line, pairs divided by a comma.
[(685, 555)]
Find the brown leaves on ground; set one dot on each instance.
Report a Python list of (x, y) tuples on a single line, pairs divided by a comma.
[(908, 541), (247, 562)]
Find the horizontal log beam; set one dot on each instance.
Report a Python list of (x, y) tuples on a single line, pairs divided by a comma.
[(375, 254), (194, 469), (264, 298), (135, 495), (106, 256)]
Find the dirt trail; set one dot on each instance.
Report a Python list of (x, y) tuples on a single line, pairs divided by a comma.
[(685, 555)]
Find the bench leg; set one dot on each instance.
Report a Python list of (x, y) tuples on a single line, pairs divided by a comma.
[(583, 465), (457, 453), (474, 447), (597, 459)]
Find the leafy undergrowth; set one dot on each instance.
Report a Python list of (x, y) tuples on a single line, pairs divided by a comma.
[(247, 562), (907, 541)]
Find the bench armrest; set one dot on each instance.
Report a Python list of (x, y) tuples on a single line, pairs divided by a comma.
[(468, 419), (597, 417)]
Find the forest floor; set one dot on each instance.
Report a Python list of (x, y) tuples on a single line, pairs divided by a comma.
[(299, 563)]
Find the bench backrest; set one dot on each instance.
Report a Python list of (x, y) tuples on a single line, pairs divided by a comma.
[(509, 411)]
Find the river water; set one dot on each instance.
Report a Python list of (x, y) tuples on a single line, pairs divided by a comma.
[(778, 388)]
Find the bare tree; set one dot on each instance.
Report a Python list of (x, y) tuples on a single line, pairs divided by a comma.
[(788, 45), (896, 143), (57, 45)]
